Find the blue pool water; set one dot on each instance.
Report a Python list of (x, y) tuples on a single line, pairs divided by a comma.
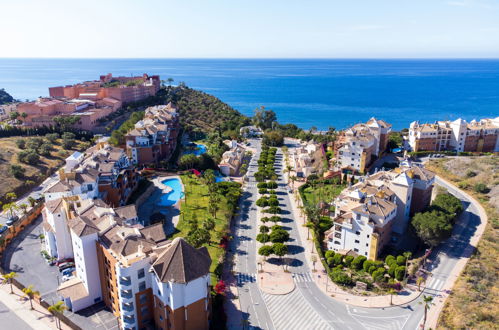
[(175, 195), (198, 151)]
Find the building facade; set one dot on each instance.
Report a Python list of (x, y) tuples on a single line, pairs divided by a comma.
[(458, 135)]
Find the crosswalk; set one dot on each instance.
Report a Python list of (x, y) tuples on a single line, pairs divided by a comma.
[(436, 284), (382, 323), (242, 278), (292, 311), (302, 277)]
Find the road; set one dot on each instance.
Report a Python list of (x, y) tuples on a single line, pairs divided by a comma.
[(307, 307)]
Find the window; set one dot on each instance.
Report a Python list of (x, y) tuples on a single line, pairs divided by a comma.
[(143, 298), (161, 317), (365, 253), (356, 250), (357, 233), (142, 286), (140, 273), (367, 244), (357, 241), (144, 311), (336, 242), (367, 236)]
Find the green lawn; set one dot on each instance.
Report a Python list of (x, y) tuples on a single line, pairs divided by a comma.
[(327, 193), (196, 205)]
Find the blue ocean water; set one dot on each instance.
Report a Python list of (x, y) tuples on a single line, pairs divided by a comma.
[(319, 93)]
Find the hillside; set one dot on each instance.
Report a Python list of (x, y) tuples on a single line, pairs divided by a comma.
[(201, 111), (34, 174), (474, 301), (5, 97)]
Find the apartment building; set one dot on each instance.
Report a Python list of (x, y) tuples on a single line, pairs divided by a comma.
[(154, 138), (457, 135), (231, 159), (369, 214), (144, 279), (123, 89), (101, 171), (357, 147), (304, 159)]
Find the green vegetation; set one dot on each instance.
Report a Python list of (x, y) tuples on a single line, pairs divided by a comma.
[(5, 97), (435, 224), (118, 136), (196, 216)]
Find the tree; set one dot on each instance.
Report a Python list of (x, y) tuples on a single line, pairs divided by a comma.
[(400, 273), (188, 161), (481, 188), (264, 118), (358, 262), (45, 149), (401, 260), (273, 138), (23, 207), (341, 277), (337, 259), (198, 237), (427, 302), (263, 238), (7, 278), (419, 281), (407, 256), (30, 292), (432, 227), (448, 203), (392, 292), (280, 250), (209, 224), (57, 309), (52, 137), (314, 260), (17, 171), (264, 229), (13, 115), (31, 201), (170, 81), (348, 260), (12, 206), (265, 251), (279, 236), (288, 170), (66, 122)]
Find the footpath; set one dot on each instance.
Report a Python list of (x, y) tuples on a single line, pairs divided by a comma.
[(38, 318)]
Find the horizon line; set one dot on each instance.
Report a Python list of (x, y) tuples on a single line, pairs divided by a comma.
[(250, 58)]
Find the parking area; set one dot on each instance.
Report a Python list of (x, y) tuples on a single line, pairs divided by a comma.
[(23, 257)]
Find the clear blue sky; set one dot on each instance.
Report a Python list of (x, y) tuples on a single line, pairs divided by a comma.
[(256, 28)]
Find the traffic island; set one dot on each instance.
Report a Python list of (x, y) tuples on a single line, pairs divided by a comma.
[(274, 280)]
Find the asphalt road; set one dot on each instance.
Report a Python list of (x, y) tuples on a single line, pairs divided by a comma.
[(11, 320), (307, 307)]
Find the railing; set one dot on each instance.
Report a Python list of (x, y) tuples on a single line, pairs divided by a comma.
[(126, 294), (127, 307), (129, 319)]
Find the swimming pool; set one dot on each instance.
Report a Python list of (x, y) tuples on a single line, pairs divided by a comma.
[(198, 150), (169, 199)]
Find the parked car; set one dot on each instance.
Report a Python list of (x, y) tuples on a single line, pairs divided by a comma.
[(66, 266), (60, 261), (66, 278), (3, 229), (68, 271), (11, 220)]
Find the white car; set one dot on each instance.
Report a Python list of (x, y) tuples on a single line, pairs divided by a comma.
[(67, 278)]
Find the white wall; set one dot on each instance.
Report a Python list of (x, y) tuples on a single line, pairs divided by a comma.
[(87, 265)]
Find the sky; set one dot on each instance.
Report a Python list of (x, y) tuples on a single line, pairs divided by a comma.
[(250, 29)]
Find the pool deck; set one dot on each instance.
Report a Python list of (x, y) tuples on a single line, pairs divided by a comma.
[(151, 205)]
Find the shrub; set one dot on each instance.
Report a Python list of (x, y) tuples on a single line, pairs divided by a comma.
[(264, 229), (276, 227), (378, 275), (21, 143), (263, 238), (329, 254), (379, 263), (391, 270), (262, 202), (28, 157), (262, 191), (52, 137), (275, 218), (17, 171), (330, 261), (348, 260), (272, 185), (273, 210), (389, 259), (367, 264), (279, 249), (341, 278), (470, 174), (481, 188), (372, 269), (337, 259), (45, 149), (399, 273), (358, 262), (273, 202), (264, 219), (401, 260)]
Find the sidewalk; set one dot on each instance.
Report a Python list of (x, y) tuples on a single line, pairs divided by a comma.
[(39, 318)]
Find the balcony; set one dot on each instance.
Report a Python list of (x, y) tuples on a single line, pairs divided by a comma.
[(129, 319), (125, 281), (127, 294), (128, 307)]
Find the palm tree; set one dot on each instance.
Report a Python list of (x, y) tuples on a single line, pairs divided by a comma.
[(419, 281), (314, 260), (170, 80), (392, 292), (55, 309), (30, 293), (293, 180), (24, 207), (288, 169), (10, 207), (309, 225), (427, 302), (7, 278)]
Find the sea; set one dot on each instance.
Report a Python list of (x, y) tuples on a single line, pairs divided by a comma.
[(307, 92)]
